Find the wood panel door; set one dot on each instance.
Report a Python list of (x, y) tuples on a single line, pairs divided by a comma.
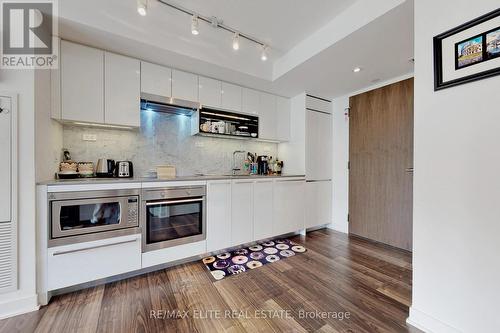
[(381, 164)]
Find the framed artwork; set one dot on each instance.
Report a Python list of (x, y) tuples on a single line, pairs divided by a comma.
[(468, 52)]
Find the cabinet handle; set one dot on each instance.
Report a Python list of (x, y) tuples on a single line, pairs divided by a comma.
[(92, 247), (155, 203)]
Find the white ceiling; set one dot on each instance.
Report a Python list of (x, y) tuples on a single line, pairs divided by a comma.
[(310, 40)]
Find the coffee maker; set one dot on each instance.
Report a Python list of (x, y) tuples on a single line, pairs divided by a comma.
[(263, 166)]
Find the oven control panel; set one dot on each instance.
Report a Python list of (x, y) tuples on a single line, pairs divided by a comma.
[(133, 210)]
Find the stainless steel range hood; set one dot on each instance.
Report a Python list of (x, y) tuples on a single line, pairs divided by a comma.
[(168, 105)]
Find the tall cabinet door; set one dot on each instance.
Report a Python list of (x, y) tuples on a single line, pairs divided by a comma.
[(82, 83), (318, 145), (218, 215), (122, 90)]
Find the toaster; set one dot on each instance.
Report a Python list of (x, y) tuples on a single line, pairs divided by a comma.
[(124, 169)]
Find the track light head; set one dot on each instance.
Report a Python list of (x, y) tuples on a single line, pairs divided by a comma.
[(263, 56), (142, 7), (195, 25), (236, 41)]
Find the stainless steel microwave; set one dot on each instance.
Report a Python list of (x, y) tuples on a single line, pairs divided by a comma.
[(90, 215)]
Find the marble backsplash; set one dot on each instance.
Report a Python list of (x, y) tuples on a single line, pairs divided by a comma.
[(163, 139)]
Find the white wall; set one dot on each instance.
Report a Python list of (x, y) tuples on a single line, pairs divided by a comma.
[(340, 178), (24, 299), (456, 222), (293, 152)]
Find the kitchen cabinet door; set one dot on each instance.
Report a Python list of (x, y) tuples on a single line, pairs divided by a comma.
[(82, 83), (122, 90), (318, 203), (283, 119), (209, 92), (184, 85), (263, 209), (267, 117), (289, 205), (156, 79), (231, 97), (218, 215), (318, 145), (241, 212), (250, 101)]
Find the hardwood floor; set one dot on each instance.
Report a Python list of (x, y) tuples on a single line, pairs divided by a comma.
[(355, 285)]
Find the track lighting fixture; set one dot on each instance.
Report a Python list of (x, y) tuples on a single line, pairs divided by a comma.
[(195, 25), (236, 41), (142, 7), (214, 22), (263, 56)]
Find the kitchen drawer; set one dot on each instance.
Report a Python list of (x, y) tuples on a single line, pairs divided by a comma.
[(73, 264), (174, 253)]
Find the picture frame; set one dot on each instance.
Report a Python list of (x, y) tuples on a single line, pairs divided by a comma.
[(468, 53)]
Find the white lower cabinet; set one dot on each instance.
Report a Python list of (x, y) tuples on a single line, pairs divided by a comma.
[(69, 265), (263, 209), (318, 203), (241, 212), (218, 215), (289, 206)]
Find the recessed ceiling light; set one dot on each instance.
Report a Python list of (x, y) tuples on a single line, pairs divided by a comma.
[(236, 41), (142, 7), (195, 25), (357, 69), (263, 56)]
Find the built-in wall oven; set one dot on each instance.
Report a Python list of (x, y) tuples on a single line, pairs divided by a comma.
[(89, 215), (172, 216)]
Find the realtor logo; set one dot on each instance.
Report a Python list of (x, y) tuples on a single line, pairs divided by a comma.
[(28, 30)]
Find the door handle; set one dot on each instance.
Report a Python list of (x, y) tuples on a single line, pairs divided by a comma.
[(409, 170)]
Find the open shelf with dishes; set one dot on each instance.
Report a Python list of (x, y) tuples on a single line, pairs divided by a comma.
[(218, 123)]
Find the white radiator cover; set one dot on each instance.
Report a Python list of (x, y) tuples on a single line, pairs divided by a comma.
[(7, 258)]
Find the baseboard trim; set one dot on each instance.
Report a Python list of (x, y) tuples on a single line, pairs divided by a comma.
[(19, 306), (428, 324)]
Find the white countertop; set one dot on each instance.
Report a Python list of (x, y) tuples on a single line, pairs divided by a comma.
[(103, 181)]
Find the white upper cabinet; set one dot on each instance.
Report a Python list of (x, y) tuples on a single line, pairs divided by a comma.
[(209, 92), (250, 101), (318, 104), (122, 90), (82, 83), (231, 97), (184, 85), (156, 79), (283, 109), (267, 117)]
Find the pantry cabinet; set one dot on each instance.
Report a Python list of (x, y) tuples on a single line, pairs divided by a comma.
[(318, 203), (184, 85), (241, 212), (156, 79), (218, 215), (209, 92), (122, 90), (231, 97), (289, 205), (82, 83)]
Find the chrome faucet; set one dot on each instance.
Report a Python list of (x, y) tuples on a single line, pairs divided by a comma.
[(235, 168)]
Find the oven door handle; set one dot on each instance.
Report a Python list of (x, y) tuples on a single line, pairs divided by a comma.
[(173, 201)]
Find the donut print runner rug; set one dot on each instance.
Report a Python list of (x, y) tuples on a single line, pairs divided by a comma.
[(242, 260)]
